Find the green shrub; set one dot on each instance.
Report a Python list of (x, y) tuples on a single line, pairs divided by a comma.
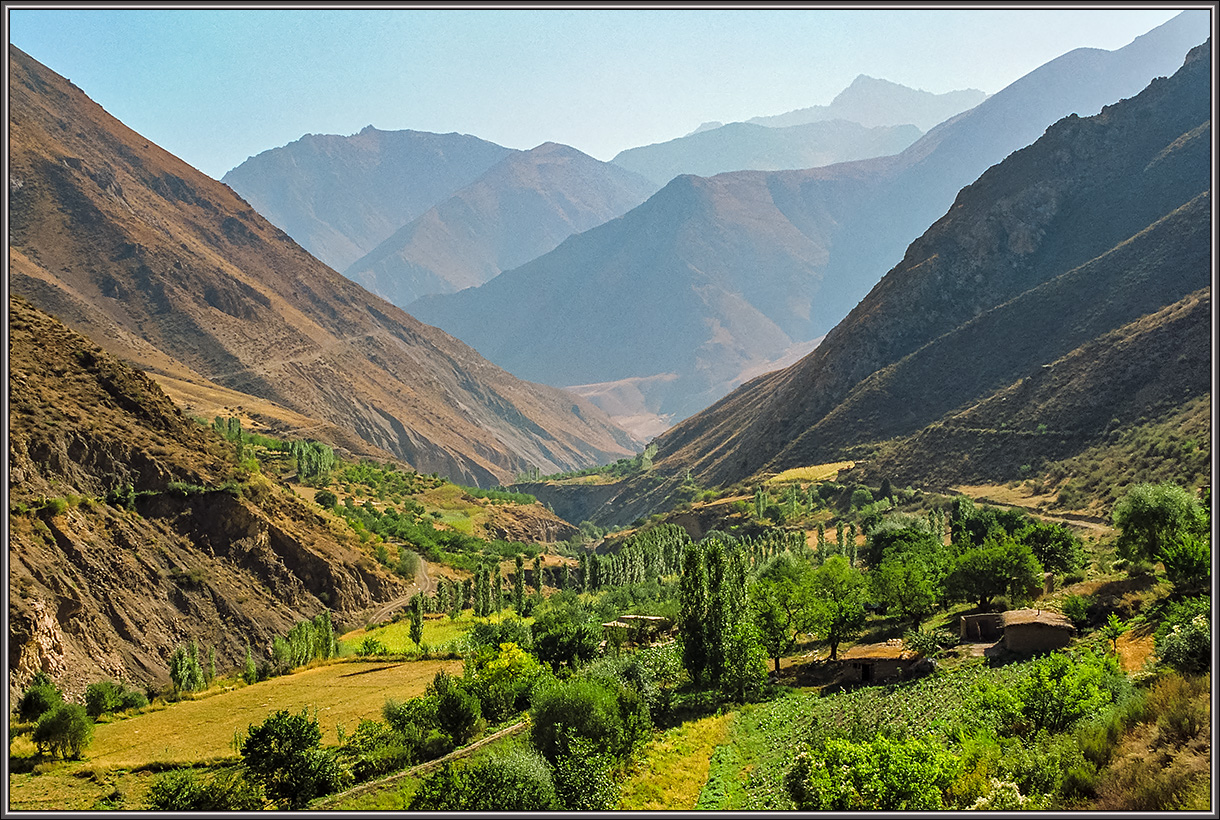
[(517, 781), (40, 697), (325, 498), (108, 696), (284, 753), (612, 718), (882, 774), (1187, 646), (65, 730), (182, 790), (1076, 609)]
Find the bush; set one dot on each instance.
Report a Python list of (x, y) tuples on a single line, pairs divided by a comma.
[(1187, 646), (612, 718), (40, 697), (1076, 609), (882, 774), (325, 498), (458, 712), (518, 781), (284, 752), (182, 790), (65, 730), (109, 696), (1188, 562)]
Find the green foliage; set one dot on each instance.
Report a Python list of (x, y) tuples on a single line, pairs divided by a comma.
[(840, 592), (1076, 609), (861, 497), (881, 774), (443, 791), (612, 717), (1002, 565), (582, 776), (1060, 690), (517, 781), (1184, 639), (181, 790), (1188, 562), (781, 603), (314, 461), (1152, 516), (1056, 547), (745, 662), (185, 671), (501, 678), (1113, 629), (458, 712), (928, 642), (285, 753), (40, 696), (64, 730), (499, 495), (249, 671), (325, 498), (108, 696)]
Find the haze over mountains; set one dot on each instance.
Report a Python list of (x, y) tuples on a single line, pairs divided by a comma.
[(522, 207), (169, 269), (749, 266)]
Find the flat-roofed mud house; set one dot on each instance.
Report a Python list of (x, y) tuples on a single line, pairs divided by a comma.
[(1022, 631), (873, 662)]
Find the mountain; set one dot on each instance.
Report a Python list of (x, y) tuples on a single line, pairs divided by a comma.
[(171, 270), (741, 146), (340, 196), (711, 278), (872, 102), (1065, 292), (203, 551), (522, 207)]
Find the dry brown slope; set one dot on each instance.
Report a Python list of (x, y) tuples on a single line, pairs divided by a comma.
[(99, 590), (173, 271)]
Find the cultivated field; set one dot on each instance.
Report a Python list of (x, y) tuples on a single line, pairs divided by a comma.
[(199, 730)]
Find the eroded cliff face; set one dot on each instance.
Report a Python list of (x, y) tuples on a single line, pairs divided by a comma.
[(133, 530)]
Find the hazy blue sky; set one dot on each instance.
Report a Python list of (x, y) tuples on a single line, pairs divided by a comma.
[(217, 86)]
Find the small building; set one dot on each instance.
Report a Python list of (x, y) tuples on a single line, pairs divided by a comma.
[(1021, 631), (1028, 631), (876, 662), (637, 630)]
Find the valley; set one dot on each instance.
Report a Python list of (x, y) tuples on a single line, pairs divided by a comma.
[(409, 472)]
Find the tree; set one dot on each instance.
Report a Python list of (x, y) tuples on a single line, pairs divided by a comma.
[(745, 662), (1056, 547), (457, 709), (64, 730), (285, 753), (781, 604), (519, 585), (249, 671), (1188, 562), (1151, 516), (1113, 630), (693, 612), (1002, 565), (41, 696), (180, 790), (839, 593), (185, 672), (882, 774), (517, 781), (905, 582), (417, 619)]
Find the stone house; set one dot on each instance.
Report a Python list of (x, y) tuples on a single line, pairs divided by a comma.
[(875, 662)]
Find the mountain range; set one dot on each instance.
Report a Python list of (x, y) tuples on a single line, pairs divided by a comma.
[(1065, 294), (701, 285), (522, 207), (172, 271)]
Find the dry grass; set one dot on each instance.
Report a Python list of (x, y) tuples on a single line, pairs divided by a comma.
[(818, 472), (200, 730), (673, 768)]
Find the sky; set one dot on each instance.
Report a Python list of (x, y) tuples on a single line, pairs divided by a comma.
[(216, 86)]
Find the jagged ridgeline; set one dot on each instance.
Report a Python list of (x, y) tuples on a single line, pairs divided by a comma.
[(134, 529)]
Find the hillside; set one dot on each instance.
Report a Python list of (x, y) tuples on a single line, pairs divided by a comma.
[(521, 208), (1099, 225), (872, 102), (711, 279), (340, 196), (206, 551), (742, 146), (168, 269)]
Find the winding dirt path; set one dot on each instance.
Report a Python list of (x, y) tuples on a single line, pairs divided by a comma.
[(423, 583)]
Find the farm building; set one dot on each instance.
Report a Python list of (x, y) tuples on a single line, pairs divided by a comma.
[(1027, 631), (879, 661), (637, 630), (1024, 631)]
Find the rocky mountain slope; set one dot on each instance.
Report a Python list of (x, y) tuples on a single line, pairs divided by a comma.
[(190, 546), (712, 278), (340, 196), (171, 270), (522, 207), (743, 146), (1096, 239), (872, 102)]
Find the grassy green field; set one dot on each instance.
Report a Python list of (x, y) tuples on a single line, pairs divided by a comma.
[(439, 632)]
